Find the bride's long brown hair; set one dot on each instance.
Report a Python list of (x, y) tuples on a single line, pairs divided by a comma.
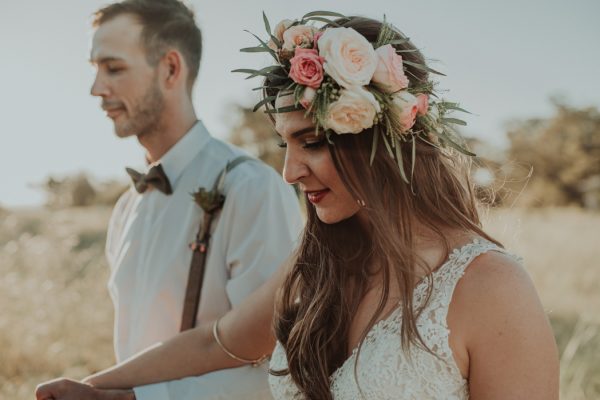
[(334, 262)]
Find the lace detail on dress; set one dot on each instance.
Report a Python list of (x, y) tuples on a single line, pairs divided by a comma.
[(384, 370)]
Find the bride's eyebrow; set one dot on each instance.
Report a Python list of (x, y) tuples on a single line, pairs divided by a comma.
[(299, 133)]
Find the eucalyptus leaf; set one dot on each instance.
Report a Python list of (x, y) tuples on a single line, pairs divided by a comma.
[(267, 99), (423, 67), (321, 19), (267, 25), (374, 143), (414, 158), (453, 144), (398, 41), (323, 14), (387, 145), (282, 110), (245, 70), (400, 163), (257, 49), (454, 121), (265, 45)]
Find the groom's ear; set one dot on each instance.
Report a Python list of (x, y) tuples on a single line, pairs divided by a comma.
[(173, 69)]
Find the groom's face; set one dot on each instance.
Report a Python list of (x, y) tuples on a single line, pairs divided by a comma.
[(126, 82)]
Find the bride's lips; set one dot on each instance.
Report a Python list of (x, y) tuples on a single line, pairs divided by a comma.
[(316, 196)]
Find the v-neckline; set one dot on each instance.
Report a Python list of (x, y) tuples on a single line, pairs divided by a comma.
[(371, 332)]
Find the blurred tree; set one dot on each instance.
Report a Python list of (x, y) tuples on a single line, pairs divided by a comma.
[(254, 132), (78, 191), (563, 153)]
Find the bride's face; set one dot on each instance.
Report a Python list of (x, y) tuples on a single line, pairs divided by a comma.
[(308, 163)]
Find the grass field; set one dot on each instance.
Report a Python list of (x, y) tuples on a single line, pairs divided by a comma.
[(56, 316)]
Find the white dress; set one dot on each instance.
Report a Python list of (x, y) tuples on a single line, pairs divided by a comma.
[(383, 369)]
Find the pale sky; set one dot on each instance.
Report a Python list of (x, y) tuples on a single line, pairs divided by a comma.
[(503, 60)]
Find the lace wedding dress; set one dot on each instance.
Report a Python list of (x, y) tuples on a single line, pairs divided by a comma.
[(383, 370)]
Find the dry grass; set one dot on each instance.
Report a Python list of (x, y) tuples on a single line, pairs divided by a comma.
[(56, 317)]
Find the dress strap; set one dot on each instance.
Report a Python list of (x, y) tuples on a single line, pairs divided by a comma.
[(445, 279)]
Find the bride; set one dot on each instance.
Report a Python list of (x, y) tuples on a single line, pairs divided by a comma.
[(395, 291)]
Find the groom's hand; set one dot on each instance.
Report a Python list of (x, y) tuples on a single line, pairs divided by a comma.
[(65, 389), (68, 389)]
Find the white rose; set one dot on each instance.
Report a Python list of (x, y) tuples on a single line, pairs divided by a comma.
[(406, 106), (349, 58), (353, 112)]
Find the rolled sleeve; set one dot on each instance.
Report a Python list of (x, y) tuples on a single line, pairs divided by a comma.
[(262, 220)]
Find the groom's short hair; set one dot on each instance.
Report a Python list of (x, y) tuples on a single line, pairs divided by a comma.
[(165, 23)]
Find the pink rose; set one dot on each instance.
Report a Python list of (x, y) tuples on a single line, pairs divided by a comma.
[(307, 97), (406, 106), (389, 75), (307, 67), (298, 36), (422, 104), (353, 112), (349, 57)]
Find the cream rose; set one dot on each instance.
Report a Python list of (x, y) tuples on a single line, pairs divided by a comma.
[(353, 112), (349, 58), (298, 36), (281, 27), (389, 74), (407, 107)]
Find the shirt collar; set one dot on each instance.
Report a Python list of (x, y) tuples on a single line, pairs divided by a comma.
[(181, 154)]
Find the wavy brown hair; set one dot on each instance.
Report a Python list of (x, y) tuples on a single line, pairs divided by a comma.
[(335, 262)]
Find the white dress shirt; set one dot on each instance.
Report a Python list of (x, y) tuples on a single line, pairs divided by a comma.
[(148, 253)]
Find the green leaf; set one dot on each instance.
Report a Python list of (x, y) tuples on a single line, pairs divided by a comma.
[(267, 71), (414, 158), (323, 14), (453, 144), (267, 99), (407, 51), (325, 20), (286, 109), (245, 70), (267, 25), (400, 163), (276, 41), (374, 144), (398, 41), (454, 121), (257, 49), (264, 44), (387, 145), (455, 107), (423, 67)]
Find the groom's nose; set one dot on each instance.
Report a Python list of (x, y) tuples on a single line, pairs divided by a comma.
[(99, 87)]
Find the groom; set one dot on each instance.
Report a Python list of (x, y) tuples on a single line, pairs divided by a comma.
[(147, 55)]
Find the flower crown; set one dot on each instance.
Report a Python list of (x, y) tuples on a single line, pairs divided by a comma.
[(348, 84)]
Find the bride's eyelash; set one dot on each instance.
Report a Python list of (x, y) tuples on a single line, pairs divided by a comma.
[(313, 145), (282, 145)]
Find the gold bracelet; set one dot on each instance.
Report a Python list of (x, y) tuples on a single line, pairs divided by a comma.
[(254, 363)]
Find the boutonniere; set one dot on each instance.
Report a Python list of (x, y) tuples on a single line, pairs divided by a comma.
[(209, 200)]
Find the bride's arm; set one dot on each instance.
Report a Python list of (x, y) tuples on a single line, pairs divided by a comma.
[(245, 331)]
